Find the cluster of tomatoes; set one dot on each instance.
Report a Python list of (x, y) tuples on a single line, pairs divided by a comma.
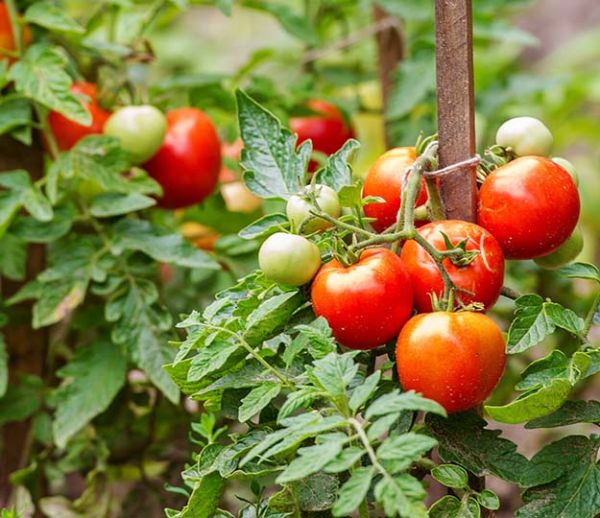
[(528, 209)]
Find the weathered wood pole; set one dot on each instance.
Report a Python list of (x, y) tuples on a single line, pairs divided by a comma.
[(455, 105)]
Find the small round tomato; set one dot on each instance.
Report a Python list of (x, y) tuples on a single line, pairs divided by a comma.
[(568, 167), (366, 303), (188, 162), (140, 129), (384, 180), (565, 253), (525, 136), (298, 208), (289, 259), (455, 359), (66, 132), (530, 205), (483, 276), (238, 198), (327, 129)]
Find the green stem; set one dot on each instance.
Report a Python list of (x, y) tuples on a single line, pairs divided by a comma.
[(253, 353), (438, 257), (509, 293), (589, 318), (342, 224), (13, 15), (363, 509), (434, 200), (42, 115)]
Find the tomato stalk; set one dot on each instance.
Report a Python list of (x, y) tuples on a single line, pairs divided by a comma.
[(589, 318)]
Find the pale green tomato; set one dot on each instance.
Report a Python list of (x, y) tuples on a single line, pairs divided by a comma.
[(565, 253), (525, 136), (299, 207), (140, 129), (568, 167), (289, 259)]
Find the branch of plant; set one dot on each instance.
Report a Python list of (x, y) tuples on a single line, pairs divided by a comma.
[(589, 318), (509, 293)]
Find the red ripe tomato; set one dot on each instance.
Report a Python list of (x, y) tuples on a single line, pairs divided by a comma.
[(367, 303), (530, 205), (483, 276), (187, 164), (7, 38), (328, 130), (455, 359), (384, 179), (66, 132)]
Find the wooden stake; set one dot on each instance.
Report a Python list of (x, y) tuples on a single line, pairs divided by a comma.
[(456, 125)]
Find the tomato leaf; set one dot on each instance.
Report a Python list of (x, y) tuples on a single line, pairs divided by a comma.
[(563, 480), (362, 393), (535, 319), (257, 399), (395, 401), (40, 75), (353, 492), (265, 226), (21, 400), (464, 440), (581, 271), (13, 256), (273, 167), (96, 375), (345, 460), (571, 412), (50, 16), (400, 451), (14, 112), (309, 461), (337, 173), (114, 204), (451, 475), (402, 495), (205, 497)]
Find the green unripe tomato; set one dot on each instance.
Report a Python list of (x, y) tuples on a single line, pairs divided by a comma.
[(140, 129), (568, 167), (299, 207), (565, 254), (525, 136), (289, 259)]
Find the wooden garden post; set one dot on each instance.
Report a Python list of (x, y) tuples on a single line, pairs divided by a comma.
[(456, 121)]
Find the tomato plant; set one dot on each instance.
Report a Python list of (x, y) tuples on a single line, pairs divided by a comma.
[(188, 162), (298, 208), (384, 180), (480, 274), (464, 354), (530, 206), (67, 132)]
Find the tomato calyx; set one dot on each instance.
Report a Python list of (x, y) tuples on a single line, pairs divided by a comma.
[(458, 254), (494, 157)]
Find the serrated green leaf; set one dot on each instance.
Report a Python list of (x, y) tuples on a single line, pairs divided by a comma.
[(211, 358), (13, 256), (205, 498), (14, 112), (314, 494), (354, 491), (21, 400), (48, 15), (344, 460), (309, 461), (273, 167), (464, 440), (402, 495), (362, 393), (319, 338), (337, 173), (535, 404), (94, 377), (413, 82), (171, 248), (571, 412), (33, 231), (257, 399), (299, 399), (270, 316), (335, 372), (40, 75), (581, 271), (350, 196), (10, 204), (563, 480), (57, 300), (489, 500), (37, 204), (265, 226), (395, 401), (446, 507), (114, 204), (402, 450), (451, 475), (535, 319)]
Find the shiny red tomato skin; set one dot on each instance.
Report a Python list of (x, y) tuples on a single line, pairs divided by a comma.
[(187, 164), (328, 130), (7, 38), (483, 276), (530, 205), (366, 304), (384, 179), (455, 359), (67, 132)]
